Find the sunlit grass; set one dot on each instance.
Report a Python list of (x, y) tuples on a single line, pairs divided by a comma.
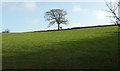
[(80, 48)]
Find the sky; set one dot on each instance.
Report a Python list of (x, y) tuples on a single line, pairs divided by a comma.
[(29, 16)]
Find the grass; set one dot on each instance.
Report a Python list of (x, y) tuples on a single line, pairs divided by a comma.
[(91, 48)]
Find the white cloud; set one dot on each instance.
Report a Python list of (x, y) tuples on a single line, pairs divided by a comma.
[(76, 8), (31, 6), (73, 25), (80, 25), (56, 0), (100, 15), (33, 21), (97, 24), (35, 29), (12, 8), (77, 25), (20, 0)]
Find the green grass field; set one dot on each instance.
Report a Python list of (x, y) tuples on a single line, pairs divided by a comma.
[(90, 48)]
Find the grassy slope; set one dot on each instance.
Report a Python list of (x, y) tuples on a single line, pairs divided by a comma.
[(81, 48)]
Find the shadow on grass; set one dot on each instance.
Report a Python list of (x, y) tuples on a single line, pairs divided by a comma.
[(97, 53)]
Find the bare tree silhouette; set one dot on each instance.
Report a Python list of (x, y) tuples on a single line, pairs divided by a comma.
[(114, 9), (6, 31), (56, 16)]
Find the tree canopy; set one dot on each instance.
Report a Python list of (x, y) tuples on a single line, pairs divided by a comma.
[(56, 16)]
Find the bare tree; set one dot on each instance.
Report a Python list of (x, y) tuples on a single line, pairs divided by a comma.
[(6, 31), (56, 16), (114, 8)]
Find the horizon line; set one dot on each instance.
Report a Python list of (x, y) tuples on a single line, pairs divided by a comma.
[(66, 28)]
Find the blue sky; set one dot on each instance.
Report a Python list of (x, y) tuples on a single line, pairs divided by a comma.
[(29, 16)]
